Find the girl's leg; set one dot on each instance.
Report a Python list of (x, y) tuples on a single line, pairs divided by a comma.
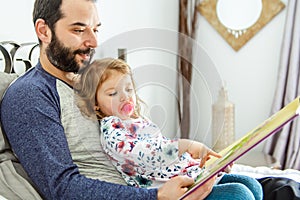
[(230, 191), (251, 183)]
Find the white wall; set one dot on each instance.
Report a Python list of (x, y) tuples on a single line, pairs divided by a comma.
[(250, 74), (117, 18), (151, 57), (16, 21)]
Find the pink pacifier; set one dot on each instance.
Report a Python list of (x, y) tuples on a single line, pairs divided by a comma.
[(127, 108)]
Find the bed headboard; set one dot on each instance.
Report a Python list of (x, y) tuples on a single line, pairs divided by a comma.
[(18, 57)]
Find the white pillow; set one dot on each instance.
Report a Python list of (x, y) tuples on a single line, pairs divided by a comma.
[(14, 182), (5, 80)]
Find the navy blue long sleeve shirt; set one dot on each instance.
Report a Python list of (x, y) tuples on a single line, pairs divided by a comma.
[(31, 119)]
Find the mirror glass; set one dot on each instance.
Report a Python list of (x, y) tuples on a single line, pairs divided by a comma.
[(238, 14), (239, 20)]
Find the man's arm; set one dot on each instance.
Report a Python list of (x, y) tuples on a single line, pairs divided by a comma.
[(31, 119)]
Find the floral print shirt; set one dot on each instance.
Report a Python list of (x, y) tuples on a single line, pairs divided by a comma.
[(143, 156)]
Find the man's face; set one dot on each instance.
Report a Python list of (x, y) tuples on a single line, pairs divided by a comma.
[(74, 38), (64, 58)]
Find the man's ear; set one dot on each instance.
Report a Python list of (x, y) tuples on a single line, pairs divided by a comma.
[(43, 31)]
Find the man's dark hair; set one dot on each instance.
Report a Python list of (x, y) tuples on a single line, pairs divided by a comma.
[(48, 10)]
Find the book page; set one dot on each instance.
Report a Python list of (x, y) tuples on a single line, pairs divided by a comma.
[(247, 142)]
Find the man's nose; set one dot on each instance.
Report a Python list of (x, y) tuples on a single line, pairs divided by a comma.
[(91, 39)]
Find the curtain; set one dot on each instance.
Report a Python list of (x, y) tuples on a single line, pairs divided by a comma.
[(187, 26), (285, 145)]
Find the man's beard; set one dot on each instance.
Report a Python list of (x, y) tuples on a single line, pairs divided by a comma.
[(63, 57)]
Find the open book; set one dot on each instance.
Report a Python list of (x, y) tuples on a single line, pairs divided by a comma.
[(272, 125)]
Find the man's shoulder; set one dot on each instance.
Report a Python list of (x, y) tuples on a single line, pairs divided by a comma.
[(32, 81), (31, 87)]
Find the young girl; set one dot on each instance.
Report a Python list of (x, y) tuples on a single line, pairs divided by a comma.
[(135, 145)]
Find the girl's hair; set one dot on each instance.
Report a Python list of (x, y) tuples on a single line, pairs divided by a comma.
[(92, 77)]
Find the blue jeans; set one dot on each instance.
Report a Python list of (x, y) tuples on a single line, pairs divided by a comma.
[(237, 187)]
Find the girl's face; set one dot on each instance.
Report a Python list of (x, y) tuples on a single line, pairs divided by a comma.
[(116, 96)]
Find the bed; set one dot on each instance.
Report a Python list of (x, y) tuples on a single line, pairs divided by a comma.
[(14, 183), (264, 171)]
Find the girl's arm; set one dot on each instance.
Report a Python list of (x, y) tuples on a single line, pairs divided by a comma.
[(197, 150)]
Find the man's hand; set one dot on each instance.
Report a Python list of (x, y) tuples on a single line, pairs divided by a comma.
[(228, 168), (203, 191), (177, 186), (174, 188)]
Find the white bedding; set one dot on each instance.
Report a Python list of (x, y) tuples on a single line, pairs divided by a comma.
[(260, 172)]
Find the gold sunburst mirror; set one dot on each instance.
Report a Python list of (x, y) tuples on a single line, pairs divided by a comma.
[(239, 20)]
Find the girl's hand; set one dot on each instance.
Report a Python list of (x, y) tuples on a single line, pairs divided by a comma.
[(206, 154), (197, 150)]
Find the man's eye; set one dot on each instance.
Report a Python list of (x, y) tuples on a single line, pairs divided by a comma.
[(112, 94), (129, 89), (79, 30)]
